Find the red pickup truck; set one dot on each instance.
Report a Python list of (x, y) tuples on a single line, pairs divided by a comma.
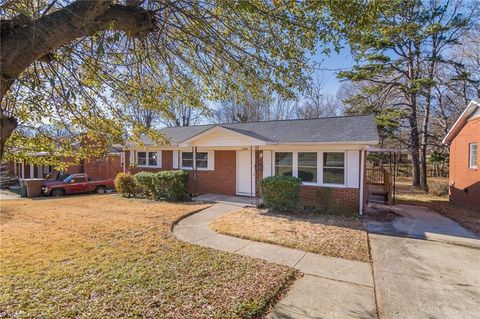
[(74, 184)]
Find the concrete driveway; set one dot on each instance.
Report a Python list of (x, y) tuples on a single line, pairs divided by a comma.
[(425, 278)]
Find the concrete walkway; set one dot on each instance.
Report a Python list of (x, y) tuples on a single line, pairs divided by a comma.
[(331, 288)]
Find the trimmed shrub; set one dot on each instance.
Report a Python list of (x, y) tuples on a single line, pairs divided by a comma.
[(280, 193), (438, 189), (171, 185), (125, 185), (145, 181)]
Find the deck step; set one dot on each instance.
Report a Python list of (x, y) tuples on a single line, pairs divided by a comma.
[(375, 198)]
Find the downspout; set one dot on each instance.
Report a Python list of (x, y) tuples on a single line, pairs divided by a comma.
[(251, 175), (362, 167), (194, 156)]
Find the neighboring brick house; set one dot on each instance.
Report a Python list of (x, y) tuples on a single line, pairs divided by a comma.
[(464, 140), (231, 158), (97, 168)]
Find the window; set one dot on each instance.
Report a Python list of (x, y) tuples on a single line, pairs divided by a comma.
[(473, 155), (283, 163), (152, 158), (307, 167), (187, 159), (79, 179), (333, 168), (202, 160), (142, 158), (147, 159)]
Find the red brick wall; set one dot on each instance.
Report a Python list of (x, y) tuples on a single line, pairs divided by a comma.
[(104, 168), (466, 188), (222, 180), (347, 197)]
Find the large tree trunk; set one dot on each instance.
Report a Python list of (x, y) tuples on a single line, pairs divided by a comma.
[(24, 41), (423, 149), (7, 126), (414, 143)]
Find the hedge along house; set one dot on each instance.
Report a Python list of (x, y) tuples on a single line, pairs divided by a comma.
[(230, 159), (464, 175)]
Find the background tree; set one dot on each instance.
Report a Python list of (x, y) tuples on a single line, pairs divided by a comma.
[(400, 59), (70, 63), (315, 102)]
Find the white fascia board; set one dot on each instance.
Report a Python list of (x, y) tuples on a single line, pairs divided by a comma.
[(462, 119), (328, 143), (190, 141)]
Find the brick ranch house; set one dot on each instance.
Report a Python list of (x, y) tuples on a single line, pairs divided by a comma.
[(464, 177), (230, 159)]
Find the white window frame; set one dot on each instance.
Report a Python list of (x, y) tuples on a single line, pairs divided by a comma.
[(471, 159), (159, 158), (344, 169), (181, 160), (293, 163), (195, 160), (210, 161), (296, 170), (319, 167)]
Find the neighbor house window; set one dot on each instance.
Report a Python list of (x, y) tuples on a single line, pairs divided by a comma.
[(142, 158), (307, 167), (152, 158), (333, 168), (202, 160), (473, 155), (187, 159), (283, 164)]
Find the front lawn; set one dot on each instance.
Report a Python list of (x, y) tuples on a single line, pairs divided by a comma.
[(468, 218), (105, 256), (330, 235)]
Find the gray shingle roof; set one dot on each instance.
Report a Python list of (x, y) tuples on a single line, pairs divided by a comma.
[(339, 129)]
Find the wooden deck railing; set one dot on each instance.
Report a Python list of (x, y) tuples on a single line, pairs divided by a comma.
[(380, 176)]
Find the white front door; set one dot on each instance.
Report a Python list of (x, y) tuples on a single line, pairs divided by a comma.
[(246, 173)]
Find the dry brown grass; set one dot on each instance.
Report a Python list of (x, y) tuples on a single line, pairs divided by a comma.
[(405, 191), (330, 235), (105, 256), (468, 218)]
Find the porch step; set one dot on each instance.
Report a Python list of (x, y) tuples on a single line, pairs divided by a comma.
[(377, 190), (377, 198)]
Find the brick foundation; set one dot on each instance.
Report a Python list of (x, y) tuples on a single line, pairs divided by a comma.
[(347, 197)]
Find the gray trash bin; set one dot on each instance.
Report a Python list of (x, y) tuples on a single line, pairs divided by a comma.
[(23, 188)]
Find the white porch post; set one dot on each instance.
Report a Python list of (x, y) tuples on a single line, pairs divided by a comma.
[(23, 169), (362, 167), (32, 171)]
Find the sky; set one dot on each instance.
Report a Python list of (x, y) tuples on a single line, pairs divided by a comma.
[(330, 66)]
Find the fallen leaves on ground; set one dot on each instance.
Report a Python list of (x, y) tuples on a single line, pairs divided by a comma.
[(105, 256), (330, 235)]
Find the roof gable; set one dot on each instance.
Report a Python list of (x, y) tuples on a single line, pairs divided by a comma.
[(223, 136)]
